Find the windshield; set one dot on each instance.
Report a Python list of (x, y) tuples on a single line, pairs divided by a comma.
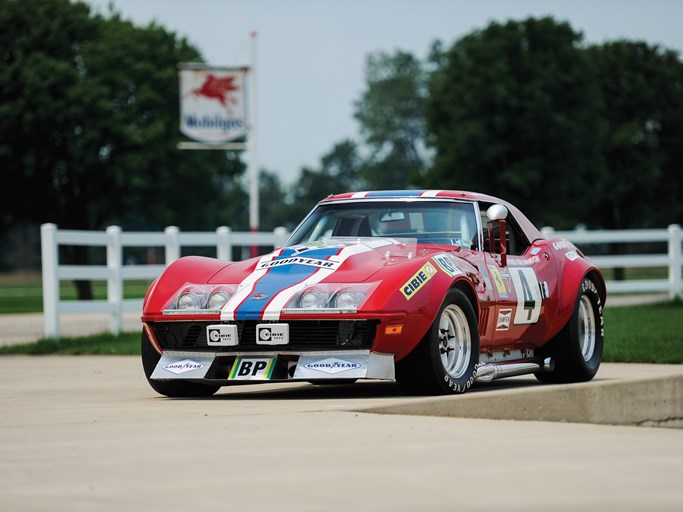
[(439, 222)]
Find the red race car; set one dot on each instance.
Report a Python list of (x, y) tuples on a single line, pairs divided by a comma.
[(416, 286)]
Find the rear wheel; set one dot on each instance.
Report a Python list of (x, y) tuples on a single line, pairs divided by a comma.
[(445, 360), (577, 348), (172, 388)]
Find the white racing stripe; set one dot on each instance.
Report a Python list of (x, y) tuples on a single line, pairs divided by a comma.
[(274, 308), (246, 287), (430, 193)]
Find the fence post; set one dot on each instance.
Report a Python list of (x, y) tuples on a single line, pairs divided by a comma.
[(114, 283), (281, 235), (547, 232), (675, 262), (223, 245), (172, 244), (50, 259)]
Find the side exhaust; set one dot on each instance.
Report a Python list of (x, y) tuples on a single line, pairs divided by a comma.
[(488, 371)]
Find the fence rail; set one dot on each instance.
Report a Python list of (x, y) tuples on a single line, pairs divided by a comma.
[(672, 260), (115, 272)]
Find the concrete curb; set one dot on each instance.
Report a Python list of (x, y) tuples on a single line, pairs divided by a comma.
[(648, 402)]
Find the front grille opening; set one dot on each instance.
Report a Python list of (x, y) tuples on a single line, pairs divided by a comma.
[(303, 335)]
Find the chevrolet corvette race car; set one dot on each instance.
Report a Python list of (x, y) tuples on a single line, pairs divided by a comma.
[(433, 289)]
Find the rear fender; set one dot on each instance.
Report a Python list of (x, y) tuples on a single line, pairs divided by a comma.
[(573, 272)]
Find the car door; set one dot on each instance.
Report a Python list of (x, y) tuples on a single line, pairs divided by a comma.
[(521, 288)]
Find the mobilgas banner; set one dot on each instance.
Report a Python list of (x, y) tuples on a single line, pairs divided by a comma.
[(212, 103)]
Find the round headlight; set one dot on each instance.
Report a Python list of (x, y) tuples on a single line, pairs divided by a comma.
[(217, 300), (312, 299), (189, 300), (347, 299)]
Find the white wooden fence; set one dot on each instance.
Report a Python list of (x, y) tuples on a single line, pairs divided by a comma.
[(672, 259), (115, 272)]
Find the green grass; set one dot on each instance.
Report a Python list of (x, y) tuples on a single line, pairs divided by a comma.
[(644, 334), (636, 334), (125, 344), (23, 293)]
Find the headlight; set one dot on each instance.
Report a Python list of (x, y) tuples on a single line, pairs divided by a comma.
[(331, 298), (217, 300), (200, 298), (189, 300), (347, 299), (313, 299)]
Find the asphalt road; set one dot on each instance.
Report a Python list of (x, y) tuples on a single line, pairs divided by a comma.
[(88, 434)]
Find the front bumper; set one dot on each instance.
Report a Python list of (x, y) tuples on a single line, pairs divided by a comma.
[(220, 368)]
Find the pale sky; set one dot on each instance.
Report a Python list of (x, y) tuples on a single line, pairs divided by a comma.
[(311, 54)]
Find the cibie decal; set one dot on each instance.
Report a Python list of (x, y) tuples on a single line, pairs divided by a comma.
[(413, 285), (332, 365), (446, 264), (504, 318), (186, 365), (528, 292)]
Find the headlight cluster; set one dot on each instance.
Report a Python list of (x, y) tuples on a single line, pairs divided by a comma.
[(201, 298), (325, 297)]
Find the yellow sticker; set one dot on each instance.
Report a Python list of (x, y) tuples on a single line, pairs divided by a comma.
[(413, 285), (498, 279)]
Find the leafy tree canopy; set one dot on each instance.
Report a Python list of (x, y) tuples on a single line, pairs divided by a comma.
[(89, 123), (513, 110)]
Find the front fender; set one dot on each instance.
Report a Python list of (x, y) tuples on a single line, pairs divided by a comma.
[(190, 269)]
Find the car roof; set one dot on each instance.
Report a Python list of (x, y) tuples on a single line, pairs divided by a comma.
[(532, 232)]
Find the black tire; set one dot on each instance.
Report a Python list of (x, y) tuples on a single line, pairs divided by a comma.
[(577, 348), (445, 360), (172, 388)]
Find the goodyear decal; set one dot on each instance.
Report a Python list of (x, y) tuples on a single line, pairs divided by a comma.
[(298, 260), (417, 281)]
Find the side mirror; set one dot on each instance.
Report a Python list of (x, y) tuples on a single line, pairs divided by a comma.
[(497, 212), (496, 215)]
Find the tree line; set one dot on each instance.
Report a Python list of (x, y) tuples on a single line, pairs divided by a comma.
[(571, 132)]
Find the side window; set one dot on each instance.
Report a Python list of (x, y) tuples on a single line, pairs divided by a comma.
[(517, 243)]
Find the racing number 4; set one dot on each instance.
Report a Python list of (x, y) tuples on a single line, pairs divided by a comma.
[(528, 295)]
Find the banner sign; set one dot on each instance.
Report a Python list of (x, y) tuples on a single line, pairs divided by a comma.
[(212, 103)]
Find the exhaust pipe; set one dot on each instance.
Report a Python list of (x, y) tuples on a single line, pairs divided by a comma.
[(488, 371)]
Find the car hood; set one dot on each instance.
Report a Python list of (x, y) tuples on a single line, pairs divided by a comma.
[(268, 284)]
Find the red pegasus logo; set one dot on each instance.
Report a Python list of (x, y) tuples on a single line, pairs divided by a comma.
[(218, 89)]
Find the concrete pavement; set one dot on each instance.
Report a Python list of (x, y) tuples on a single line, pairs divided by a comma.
[(87, 433)]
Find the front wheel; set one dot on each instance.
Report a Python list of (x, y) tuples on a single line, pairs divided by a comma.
[(172, 388), (577, 348), (445, 361)]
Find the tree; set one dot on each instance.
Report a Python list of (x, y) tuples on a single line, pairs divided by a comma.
[(513, 110), (89, 124), (390, 113), (339, 173), (642, 105)]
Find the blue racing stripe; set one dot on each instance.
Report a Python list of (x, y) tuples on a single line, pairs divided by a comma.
[(395, 193), (279, 278)]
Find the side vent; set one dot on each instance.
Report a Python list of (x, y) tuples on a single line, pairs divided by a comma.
[(483, 321)]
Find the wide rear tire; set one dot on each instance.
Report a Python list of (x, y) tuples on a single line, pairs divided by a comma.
[(445, 361), (577, 348), (171, 388)]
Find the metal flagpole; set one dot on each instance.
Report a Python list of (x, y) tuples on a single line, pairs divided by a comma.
[(253, 148)]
